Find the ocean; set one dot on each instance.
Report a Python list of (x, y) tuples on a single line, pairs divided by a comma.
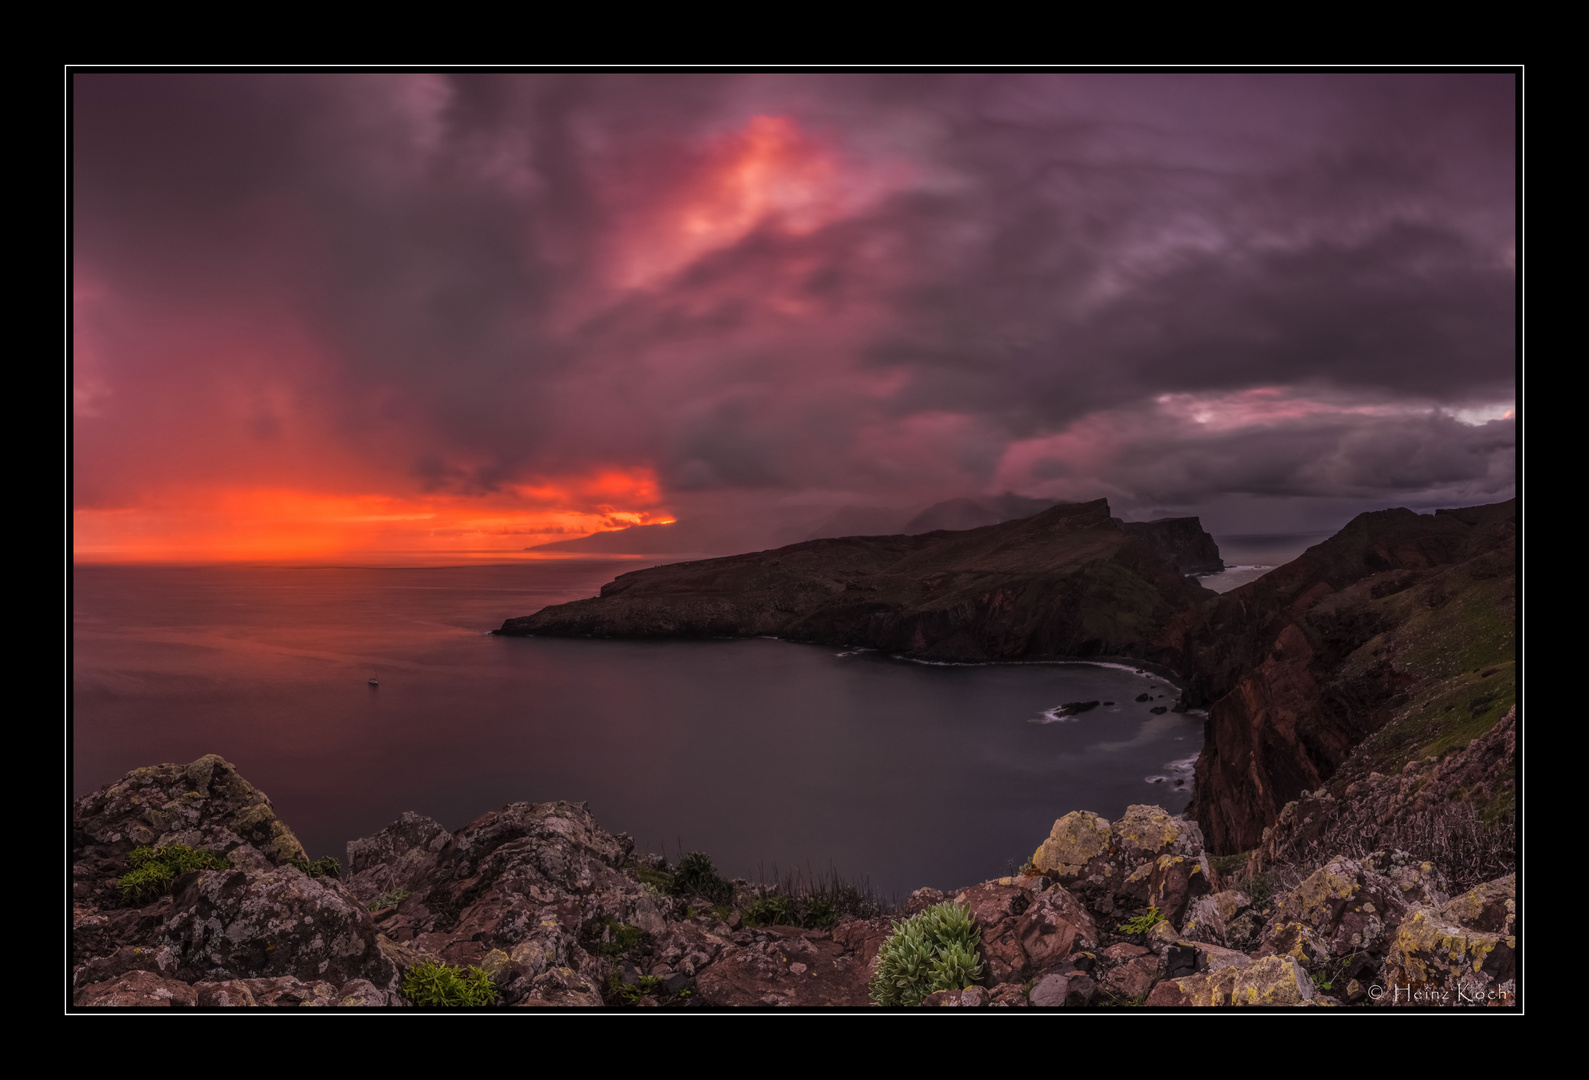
[(771, 757)]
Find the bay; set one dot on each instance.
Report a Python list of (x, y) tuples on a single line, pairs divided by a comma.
[(771, 757)]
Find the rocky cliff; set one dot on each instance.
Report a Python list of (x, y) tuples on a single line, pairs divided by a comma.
[(1182, 542), (1068, 582), (538, 906), (1397, 635)]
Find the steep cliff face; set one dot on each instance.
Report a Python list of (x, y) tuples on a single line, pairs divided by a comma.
[(1393, 640), (1068, 582), (1182, 541)]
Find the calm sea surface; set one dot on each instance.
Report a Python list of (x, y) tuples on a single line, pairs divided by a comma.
[(761, 753)]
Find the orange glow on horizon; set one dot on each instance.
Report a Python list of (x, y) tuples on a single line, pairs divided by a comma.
[(273, 524)]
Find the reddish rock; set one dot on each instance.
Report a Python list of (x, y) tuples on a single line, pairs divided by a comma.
[(1123, 950), (1055, 923), (287, 992), (1007, 996), (1176, 881), (1132, 979), (224, 994), (862, 938), (143, 989), (765, 973)]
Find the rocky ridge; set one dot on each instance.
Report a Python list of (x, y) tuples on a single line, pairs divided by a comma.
[(559, 912), (1394, 640), (1069, 582)]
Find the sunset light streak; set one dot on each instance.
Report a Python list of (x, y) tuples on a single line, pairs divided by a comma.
[(204, 525)]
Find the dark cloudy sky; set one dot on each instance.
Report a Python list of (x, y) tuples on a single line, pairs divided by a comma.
[(319, 312)]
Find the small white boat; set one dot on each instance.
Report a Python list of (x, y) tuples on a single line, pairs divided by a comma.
[(374, 683)]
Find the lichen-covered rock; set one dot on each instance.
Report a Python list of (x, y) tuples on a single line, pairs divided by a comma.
[(1433, 961), (1075, 840), (1146, 832), (395, 856), (1268, 981), (1177, 880), (236, 924), (1491, 907), (1341, 908), (1416, 880), (204, 804), (1209, 918), (491, 880)]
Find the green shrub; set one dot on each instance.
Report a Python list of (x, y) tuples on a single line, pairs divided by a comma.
[(820, 913), (151, 871), (390, 898), (430, 983), (621, 938), (326, 867), (696, 876), (936, 950), (660, 880), (618, 993), (782, 909), (775, 910), (1142, 923)]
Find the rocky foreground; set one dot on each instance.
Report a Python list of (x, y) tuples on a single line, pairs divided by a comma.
[(559, 912)]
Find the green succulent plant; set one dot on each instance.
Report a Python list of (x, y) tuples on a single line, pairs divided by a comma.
[(936, 950)]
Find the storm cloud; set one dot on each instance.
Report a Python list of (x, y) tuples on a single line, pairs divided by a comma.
[(510, 305)]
